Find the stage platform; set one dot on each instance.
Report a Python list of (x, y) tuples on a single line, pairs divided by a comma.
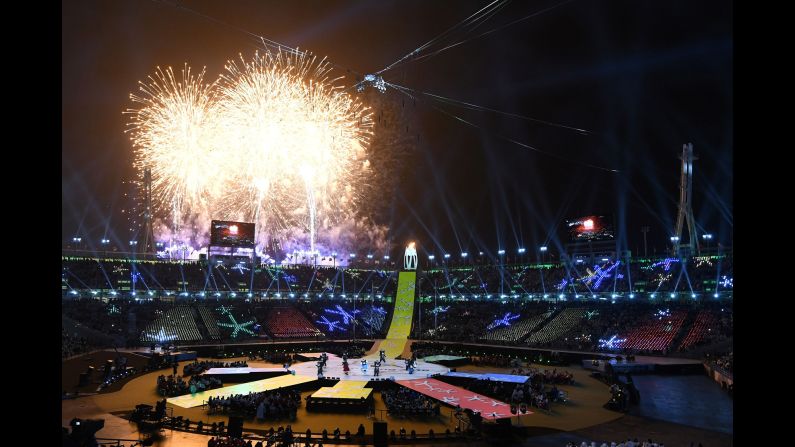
[(391, 369), (175, 356), (351, 389), (198, 399), (494, 377), (453, 395), (447, 360), (644, 365), (241, 375), (350, 395)]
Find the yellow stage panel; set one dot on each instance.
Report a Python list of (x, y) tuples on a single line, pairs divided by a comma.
[(195, 400), (350, 384), (401, 318), (343, 393)]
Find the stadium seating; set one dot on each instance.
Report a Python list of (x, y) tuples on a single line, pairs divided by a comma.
[(210, 322), (175, 324), (518, 330), (705, 323), (656, 333), (288, 322), (562, 323)]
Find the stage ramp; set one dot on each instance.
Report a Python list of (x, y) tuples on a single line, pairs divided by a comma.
[(198, 399), (400, 328)]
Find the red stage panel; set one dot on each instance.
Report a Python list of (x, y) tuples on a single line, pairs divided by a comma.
[(453, 395)]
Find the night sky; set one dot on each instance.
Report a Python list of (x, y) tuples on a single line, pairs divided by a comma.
[(643, 77)]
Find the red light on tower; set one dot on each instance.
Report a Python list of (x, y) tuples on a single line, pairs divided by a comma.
[(588, 224), (233, 229)]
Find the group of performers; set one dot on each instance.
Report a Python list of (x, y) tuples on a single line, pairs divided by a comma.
[(321, 364)]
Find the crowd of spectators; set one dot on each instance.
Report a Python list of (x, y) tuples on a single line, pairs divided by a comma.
[(407, 402), (724, 362), (119, 274), (197, 367), (171, 385), (572, 325), (627, 443), (518, 276), (535, 392), (273, 404), (72, 345)]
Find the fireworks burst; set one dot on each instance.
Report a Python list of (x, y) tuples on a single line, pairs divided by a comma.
[(274, 140)]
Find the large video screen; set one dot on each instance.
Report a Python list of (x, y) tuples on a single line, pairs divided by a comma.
[(590, 228), (225, 233)]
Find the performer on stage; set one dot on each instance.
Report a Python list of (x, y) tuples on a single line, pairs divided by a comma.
[(364, 366), (345, 367)]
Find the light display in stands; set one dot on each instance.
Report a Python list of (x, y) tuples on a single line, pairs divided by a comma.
[(661, 278), (727, 281), (666, 263), (504, 321), (161, 336), (237, 327), (591, 314), (662, 313), (703, 260), (332, 325), (599, 274), (347, 317), (440, 310), (611, 343), (562, 284)]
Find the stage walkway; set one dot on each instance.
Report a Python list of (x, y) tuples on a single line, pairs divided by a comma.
[(198, 399), (453, 395), (494, 377), (400, 328)]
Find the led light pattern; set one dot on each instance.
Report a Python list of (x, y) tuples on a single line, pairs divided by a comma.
[(330, 325), (504, 321), (347, 317), (611, 343), (235, 326)]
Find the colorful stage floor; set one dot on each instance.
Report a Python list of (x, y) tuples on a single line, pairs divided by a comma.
[(198, 399), (400, 328), (453, 395), (392, 369), (494, 377), (349, 389)]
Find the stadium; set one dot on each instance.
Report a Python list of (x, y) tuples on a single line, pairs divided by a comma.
[(284, 251)]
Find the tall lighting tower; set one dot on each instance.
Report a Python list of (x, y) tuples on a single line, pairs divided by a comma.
[(686, 206)]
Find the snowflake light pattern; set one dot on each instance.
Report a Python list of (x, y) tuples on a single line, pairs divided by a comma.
[(504, 321), (347, 317), (160, 336), (235, 326), (611, 343), (332, 325), (440, 310)]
